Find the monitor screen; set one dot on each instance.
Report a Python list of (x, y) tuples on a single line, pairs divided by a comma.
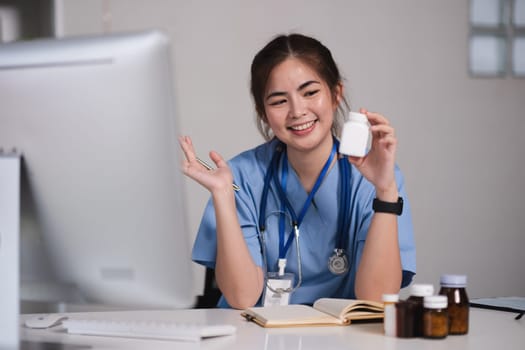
[(93, 118)]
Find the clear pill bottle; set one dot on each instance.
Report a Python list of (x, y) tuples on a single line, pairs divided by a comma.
[(356, 136), (389, 322), (454, 288), (435, 317), (417, 293)]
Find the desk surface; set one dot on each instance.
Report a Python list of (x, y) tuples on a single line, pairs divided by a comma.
[(488, 330)]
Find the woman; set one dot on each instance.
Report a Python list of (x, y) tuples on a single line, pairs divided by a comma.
[(354, 242)]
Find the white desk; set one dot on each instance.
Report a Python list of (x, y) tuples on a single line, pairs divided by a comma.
[(488, 330)]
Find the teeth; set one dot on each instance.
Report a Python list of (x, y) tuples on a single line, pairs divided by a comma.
[(303, 126)]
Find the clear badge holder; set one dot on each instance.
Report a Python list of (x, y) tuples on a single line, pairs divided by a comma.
[(278, 289)]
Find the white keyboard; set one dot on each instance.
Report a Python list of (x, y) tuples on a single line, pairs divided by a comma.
[(147, 329)]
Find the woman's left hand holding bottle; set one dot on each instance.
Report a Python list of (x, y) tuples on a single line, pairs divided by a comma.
[(378, 165)]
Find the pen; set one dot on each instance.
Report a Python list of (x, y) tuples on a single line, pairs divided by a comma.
[(209, 167)]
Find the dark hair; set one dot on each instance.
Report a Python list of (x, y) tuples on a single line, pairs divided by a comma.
[(311, 52)]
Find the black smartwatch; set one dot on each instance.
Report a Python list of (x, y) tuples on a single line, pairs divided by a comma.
[(388, 207)]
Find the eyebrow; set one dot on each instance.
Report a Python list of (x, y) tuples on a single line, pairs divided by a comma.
[(301, 87)]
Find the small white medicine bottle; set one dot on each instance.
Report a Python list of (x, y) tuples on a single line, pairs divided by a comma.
[(389, 323), (356, 137)]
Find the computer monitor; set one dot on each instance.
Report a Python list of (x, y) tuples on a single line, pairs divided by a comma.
[(93, 118)]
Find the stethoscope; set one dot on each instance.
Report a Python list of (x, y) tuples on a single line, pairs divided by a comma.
[(338, 262)]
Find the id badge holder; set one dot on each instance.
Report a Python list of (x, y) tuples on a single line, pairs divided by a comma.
[(279, 284)]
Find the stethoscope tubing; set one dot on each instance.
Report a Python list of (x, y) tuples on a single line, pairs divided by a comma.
[(343, 215)]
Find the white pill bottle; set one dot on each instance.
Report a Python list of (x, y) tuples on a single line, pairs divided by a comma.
[(356, 137)]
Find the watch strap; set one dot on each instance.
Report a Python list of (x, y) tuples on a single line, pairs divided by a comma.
[(380, 206)]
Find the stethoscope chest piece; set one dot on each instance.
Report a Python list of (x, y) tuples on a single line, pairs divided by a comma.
[(338, 262)]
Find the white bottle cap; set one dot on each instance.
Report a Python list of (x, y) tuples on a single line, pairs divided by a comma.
[(458, 281), (390, 298), (421, 290), (435, 302), (357, 117)]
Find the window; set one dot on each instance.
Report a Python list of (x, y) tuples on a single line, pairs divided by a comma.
[(497, 38)]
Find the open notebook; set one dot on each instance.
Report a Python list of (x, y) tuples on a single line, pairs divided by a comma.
[(324, 312)]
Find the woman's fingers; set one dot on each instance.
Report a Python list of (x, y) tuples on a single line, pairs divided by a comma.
[(389, 141), (382, 130), (375, 118), (357, 161), (212, 178), (218, 160), (187, 148), (191, 160)]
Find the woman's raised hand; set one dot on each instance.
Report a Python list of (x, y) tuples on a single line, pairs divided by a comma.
[(378, 165), (218, 179)]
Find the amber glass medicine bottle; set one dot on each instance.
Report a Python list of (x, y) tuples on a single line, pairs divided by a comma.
[(417, 293), (404, 319), (454, 288), (435, 317)]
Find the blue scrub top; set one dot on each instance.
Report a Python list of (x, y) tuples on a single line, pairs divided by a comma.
[(318, 231)]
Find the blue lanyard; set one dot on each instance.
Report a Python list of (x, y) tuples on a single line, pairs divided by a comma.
[(343, 215), (283, 248)]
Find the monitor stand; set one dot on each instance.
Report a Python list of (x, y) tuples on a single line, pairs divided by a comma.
[(9, 250)]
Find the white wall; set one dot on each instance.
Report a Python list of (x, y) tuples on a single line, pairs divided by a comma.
[(460, 139)]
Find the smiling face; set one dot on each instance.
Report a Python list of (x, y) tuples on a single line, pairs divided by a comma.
[(299, 107)]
